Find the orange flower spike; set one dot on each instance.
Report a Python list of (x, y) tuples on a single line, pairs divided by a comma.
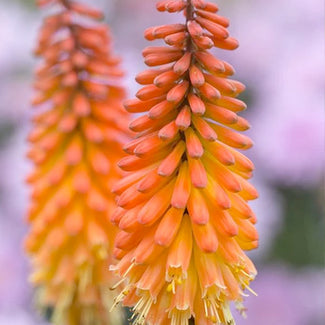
[(75, 147), (186, 222)]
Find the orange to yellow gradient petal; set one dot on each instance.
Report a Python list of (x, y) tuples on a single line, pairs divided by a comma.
[(75, 145), (183, 214)]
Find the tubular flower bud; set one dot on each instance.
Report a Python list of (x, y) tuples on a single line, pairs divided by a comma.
[(75, 145), (183, 212)]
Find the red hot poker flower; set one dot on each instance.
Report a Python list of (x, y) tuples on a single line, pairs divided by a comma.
[(75, 145), (183, 211)]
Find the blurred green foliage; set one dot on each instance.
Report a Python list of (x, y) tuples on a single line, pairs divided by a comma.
[(7, 129), (26, 3), (48, 313), (301, 241)]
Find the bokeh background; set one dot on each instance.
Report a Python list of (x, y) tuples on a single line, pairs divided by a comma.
[(281, 60)]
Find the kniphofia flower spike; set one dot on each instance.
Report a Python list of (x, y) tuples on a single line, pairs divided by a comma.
[(183, 211), (75, 146)]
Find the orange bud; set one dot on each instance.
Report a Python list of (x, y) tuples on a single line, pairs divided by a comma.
[(176, 94), (197, 208), (183, 120), (166, 79), (205, 130), (193, 144), (196, 76), (196, 104), (198, 173), (183, 64), (210, 63), (168, 227), (182, 188), (163, 31), (205, 237), (170, 163), (216, 30), (214, 18)]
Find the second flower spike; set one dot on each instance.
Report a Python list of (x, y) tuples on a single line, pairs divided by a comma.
[(183, 211), (75, 145)]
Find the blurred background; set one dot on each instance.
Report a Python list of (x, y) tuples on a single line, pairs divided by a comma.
[(281, 61)]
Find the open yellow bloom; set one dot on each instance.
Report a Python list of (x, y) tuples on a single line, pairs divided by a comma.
[(183, 211), (75, 145)]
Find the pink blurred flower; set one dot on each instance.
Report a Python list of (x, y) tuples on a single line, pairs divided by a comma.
[(18, 317), (285, 78), (15, 51), (14, 289), (269, 215), (286, 297)]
